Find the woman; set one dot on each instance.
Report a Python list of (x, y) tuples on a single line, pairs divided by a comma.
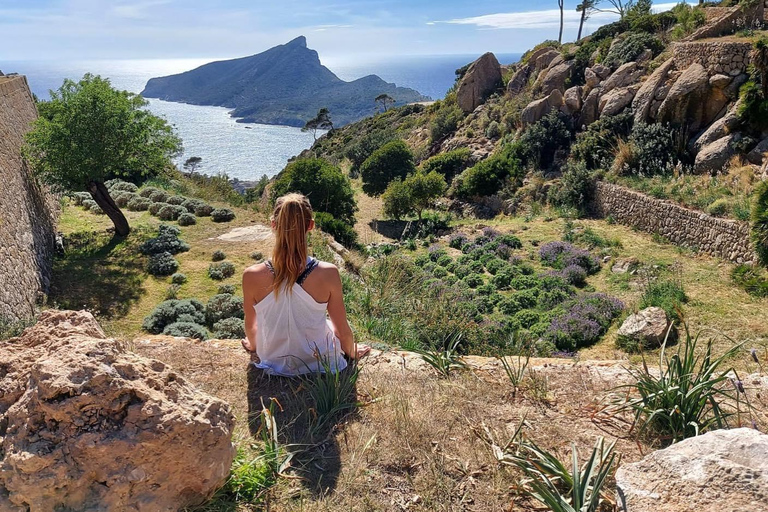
[(286, 300)]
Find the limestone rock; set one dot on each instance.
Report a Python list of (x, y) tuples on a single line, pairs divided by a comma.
[(685, 102), (625, 265), (720, 81), (718, 129), (87, 425), (519, 80), (732, 91), (539, 108), (642, 102), (590, 78), (647, 327), (542, 58), (757, 155), (720, 471), (589, 111), (556, 77), (714, 156), (626, 75), (481, 79), (602, 71), (572, 98), (616, 100)]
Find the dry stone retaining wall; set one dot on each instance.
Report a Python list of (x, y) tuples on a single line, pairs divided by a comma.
[(717, 57), (28, 213), (723, 238)]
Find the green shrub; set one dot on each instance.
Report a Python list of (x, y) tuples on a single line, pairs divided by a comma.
[(487, 177), (751, 280), (203, 210), (596, 145), (229, 329), (148, 191), (445, 122), (226, 289), (162, 264), (631, 47), (493, 131), (186, 330), (473, 280), (154, 208), (359, 151), (170, 311), (539, 144), (391, 161), (326, 186), (223, 306), (96, 210), (577, 187), (171, 212), (342, 232), (449, 164), (218, 255), (413, 195), (664, 293), (192, 204), (257, 255), (760, 222), (178, 278), (187, 219), (222, 270), (89, 203), (79, 197), (167, 240), (158, 197), (655, 151), (138, 204), (118, 185), (503, 278), (222, 215), (123, 198), (176, 200)]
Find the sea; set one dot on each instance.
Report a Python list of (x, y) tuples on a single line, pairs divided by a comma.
[(245, 151)]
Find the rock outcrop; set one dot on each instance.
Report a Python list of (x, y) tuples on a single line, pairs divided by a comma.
[(715, 156), (685, 99), (717, 130), (642, 102), (87, 426), (481, 79), (647, 328), (555, 77), (539, 108), (519, 80), (616, 100), (720, 471), (627, 74)]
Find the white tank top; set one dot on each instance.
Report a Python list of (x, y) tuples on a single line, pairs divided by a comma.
[(293, 333)]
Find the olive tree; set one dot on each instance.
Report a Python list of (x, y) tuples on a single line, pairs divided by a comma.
[(413, 195), (89, 133)]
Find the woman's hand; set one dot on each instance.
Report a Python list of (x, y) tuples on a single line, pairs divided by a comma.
[(361, 351), (248, 346)]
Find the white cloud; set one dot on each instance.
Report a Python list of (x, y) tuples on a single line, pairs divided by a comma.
[(531, 20), (137, 10)]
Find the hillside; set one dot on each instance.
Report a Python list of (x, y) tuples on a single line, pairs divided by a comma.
[(284, 85)]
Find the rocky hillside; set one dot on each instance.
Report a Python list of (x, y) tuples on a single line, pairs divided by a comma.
[(284, 85)]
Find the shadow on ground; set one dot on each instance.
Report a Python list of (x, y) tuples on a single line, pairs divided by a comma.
[(99, 272), (318, 457), (391, 228)]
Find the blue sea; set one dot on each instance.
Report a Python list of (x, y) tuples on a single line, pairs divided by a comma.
[(244, 151)]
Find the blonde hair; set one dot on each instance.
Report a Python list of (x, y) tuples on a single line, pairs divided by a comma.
[(292, 217)]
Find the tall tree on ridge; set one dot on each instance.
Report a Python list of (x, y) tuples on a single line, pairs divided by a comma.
[(322, 121), (586, 8), (560, 3), (385, 100)]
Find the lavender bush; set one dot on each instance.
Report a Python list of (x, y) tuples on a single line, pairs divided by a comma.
[(560, 255), (583, 321)]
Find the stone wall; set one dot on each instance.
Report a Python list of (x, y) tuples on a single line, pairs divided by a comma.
[(714, 13), (28, 213), (723, 238), (717, 57), (736, 18)]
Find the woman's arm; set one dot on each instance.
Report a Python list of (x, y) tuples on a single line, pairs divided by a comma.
[(338, 315), (250, 312)]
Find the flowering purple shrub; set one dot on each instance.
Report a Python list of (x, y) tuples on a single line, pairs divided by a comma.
[(504, 251), (436, 252), (490, 233), (457, 241), (572, 274), (583, 321), (560, 255)]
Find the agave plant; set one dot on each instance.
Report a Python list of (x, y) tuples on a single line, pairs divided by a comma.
[(333, 392), (444, 359)]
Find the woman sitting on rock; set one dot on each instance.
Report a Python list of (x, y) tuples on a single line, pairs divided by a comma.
[(286, 300)]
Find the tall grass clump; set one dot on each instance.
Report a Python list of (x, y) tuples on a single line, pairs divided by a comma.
[(333, 392)]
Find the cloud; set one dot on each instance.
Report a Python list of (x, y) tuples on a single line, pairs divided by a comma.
[(323, 28), (530, 20), (137, 11)]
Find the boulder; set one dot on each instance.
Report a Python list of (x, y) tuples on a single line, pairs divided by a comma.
[(732, 91), (481, 79), (757, 155), (642, 102), (645, 56), (626, 265), (647, 327), (556, 77), (572, 99), (626, 75), (542, 58), (717, 130), (602, 71), (720, 471), (87, 425), (685, 101), (616, 100), (539, 108), (519, 80), (720, 81), (589, 111), (714, 156), (591, 80)]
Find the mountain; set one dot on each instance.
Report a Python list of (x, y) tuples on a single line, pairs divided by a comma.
[(284, 85)]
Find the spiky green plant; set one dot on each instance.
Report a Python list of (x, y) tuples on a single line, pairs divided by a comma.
[(333, 392), (685, 397), (515, 368), (444, 359)]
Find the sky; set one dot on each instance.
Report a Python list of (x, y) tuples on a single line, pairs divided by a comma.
[(350, 30)]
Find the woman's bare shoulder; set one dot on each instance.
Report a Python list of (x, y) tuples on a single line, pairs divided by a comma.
[(328, 270), (257, 273)]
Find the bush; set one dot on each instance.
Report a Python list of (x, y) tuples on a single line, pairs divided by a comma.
[(560, 255), (192, 204), (186, 330), (96, 210), (630, 48), (187, 219), (391, 161), (414, 195), (158, 197), (220, 271), (760, 222), (203, 210), (89, 203), (223, 306), (170, 311), (162, 264), (138, 204), (171, 212), (176, 200), (342, 232), (449, 164), (539, 144), (577, 187), (218, 255), (493, 131), (79, 197), (327, 188), (178, 278), (229, 329), (654, 149), (226, 289), (123, 198), (154, 208), (596, 145), (667, 294), (257, 255), (358, 152), (473, 280), (148, 191), (445, 122), (503, 278), (583, 321), (222, 215), (487, 177), (752, 281), (118, 185), (167, 240)]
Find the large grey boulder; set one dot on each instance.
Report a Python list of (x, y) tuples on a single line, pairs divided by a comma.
[(684, 104), (556, 77), (542, 58), (616, 100), (572, 99), (539, 108), (717, 130), (602, 71), (714, 156), (720, 471), (626, 75), (589, 111), (519, 80), (642, 101), (481, 79), (591, 80), (757, 155), (647, 328)]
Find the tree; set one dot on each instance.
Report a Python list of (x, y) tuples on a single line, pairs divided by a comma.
[(586, 8), (89, 133), (620, 7), (413, 195), (560, 4), (391, 161), (192, 163), (327, 188), (322, 121), (385, 100)]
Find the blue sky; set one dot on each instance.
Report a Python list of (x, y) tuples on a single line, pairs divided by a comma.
[(338, 29)]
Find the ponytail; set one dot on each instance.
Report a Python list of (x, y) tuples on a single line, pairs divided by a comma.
[(292, 217)]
